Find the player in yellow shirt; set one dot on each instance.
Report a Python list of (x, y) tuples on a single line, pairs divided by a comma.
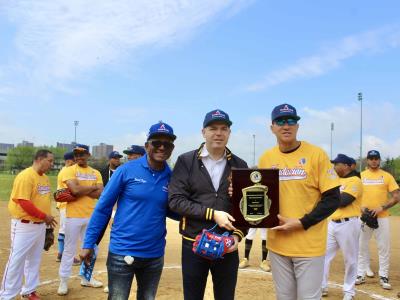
[(30, 210), (308, 194), (377, 183), (344, 226), (86, 185)]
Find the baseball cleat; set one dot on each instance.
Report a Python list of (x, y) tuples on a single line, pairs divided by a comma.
[(63, 287), (370, 273), (244, 263), (92, 283), (106, 290), (31, 296), (360, 280), (384, 282), (59, 256), (76, 262), (265, 266), (347, 297), (324, 292)]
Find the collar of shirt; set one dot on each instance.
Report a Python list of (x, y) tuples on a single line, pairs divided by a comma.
[(145, 164), (215, 168), (204, 153)]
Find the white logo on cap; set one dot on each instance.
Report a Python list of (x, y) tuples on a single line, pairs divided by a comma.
[(218, 114), (162, 128), (286, 109)]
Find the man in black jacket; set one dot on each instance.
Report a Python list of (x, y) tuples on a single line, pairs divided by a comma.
[(114, 160), (198, 191)]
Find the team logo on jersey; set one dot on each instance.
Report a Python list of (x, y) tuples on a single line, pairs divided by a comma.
[(302, 162), (43, 189), (165, 188), (332, 173), (218, 114), (286, 109), (292, 174), (139, 180), (84, 176), (379, 181)]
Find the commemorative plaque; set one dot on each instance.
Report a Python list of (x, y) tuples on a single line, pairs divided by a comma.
[(255, 197)]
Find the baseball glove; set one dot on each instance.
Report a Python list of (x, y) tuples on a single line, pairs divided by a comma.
[(64, 195), (49, 240), (212, 245), (367, 218)]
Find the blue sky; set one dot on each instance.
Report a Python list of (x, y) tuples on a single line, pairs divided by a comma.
[(120, 66)]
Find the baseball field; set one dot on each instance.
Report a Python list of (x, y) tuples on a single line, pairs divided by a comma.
[(252, 282)]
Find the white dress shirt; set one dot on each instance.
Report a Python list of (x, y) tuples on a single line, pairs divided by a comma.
[(214, 167)]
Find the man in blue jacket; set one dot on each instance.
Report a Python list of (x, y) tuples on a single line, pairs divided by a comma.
[(137, 240)]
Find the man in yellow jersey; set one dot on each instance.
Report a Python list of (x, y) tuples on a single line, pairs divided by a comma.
[(69, 161), (344, 226), (308, 194), (86, 185), (30, 209), (377, 183)]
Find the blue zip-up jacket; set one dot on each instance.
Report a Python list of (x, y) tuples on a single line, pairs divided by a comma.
[(139, 227)]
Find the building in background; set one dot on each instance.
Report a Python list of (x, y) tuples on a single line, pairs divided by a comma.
[(4, 148), (68, 147), (102, 150), (25, 144)]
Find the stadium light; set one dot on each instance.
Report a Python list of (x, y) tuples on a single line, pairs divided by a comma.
[(76, 123), (360, 98), (332, 128)]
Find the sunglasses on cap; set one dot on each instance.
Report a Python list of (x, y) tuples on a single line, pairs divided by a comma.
[(282, 122), (157, 144)]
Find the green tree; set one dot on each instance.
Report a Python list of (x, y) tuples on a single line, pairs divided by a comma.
[(20, 157)]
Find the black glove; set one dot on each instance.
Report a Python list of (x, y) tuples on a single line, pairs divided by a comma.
[(49, 240), (367, 218)]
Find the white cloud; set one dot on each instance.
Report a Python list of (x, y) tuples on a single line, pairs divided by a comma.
[(331, 57), (62, 40)]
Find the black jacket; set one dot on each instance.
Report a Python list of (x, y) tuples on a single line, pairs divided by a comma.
[(105, 174), (192, 194)]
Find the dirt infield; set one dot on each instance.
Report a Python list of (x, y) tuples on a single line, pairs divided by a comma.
[(252, 282)]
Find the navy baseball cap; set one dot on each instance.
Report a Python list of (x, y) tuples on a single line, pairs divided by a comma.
[(353, 161), (68, 155), (284, 110), (216, 115), (114, 154), (342, 158), (161, 128), (373, 154), (135, 149), (81, 148)]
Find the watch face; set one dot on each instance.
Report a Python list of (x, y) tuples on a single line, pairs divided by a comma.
[(255, 177)]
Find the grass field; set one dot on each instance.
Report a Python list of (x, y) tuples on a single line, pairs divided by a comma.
[(6, 181)]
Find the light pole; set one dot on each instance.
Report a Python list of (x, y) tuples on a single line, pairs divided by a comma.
[(332, 128), (360, 98), (76, 123), (254, 149)]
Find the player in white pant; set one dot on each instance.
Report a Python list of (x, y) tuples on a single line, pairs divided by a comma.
[(377, 183), (30, 208), (344, 226), (244, 263), (86, 185)]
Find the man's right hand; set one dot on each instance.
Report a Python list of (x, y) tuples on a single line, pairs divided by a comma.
[(86, 255), (49, 220), (224, 220)]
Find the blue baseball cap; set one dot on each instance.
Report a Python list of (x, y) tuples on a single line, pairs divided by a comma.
[(114, 154), (373, 154), (216, 115), (81, 148), (344, 159), (353, 161), (135, 149), (161, 128), (69, 155), (284, 110)]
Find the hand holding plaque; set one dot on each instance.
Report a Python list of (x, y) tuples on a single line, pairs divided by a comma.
[(255, 197)]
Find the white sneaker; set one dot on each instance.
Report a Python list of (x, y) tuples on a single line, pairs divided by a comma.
[(360, 280), (244, 263), (92, 283), (106, 290), (325, 292), (63, 287), (348, 297), (384, 282), (370, 273)]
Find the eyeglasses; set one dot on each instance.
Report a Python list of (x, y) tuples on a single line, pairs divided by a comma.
[(282, 122), (157, 144)]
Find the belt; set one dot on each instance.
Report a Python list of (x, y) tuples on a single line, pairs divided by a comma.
[(341, 220), (30, 222)]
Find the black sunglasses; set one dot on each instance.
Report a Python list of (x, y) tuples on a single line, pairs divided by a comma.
[(157, 144)]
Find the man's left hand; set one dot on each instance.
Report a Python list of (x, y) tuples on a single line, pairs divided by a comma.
[(288, 224)]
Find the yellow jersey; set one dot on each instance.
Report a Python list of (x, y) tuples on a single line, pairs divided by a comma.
[(84, 205), (376, 185), (29, 185), (352, 186), (304, 175)]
